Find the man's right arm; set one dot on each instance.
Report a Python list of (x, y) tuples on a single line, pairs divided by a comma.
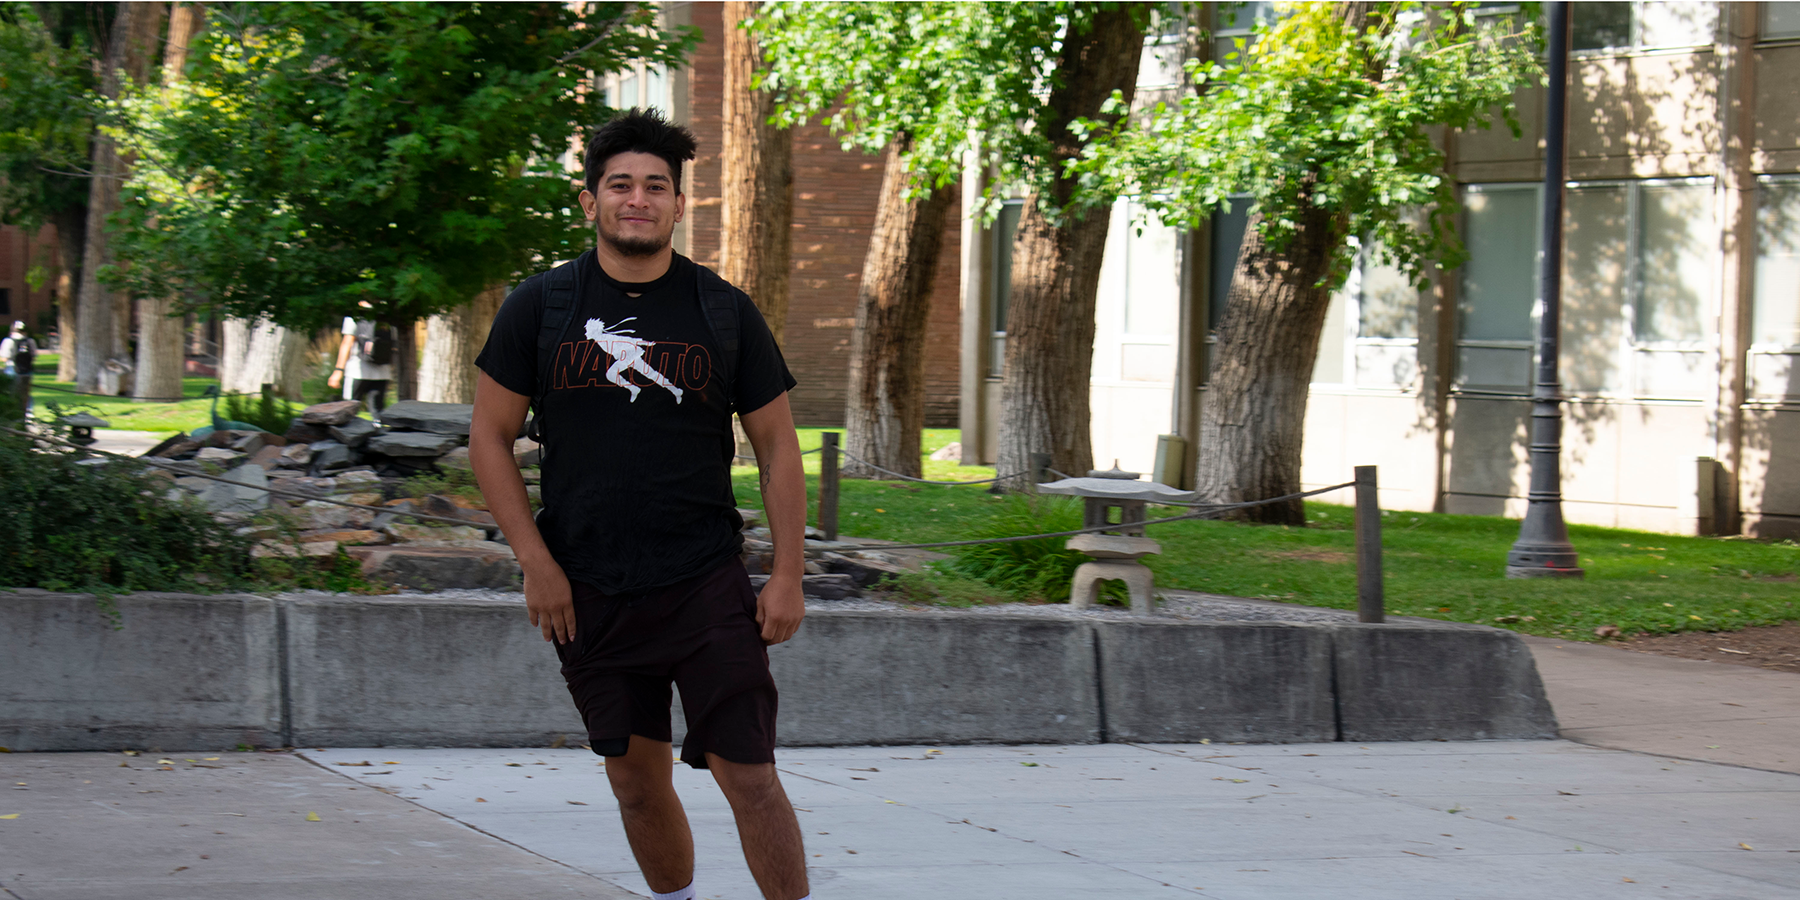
[(498, 414)]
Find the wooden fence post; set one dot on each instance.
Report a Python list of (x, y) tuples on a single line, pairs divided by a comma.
[(1370, 605), (828, 485)]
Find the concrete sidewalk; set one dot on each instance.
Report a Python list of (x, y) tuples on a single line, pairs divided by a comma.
[(1627, 700), (1415, 820), (1418, 820)]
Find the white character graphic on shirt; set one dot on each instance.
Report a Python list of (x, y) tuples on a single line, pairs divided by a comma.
[(627, 352)]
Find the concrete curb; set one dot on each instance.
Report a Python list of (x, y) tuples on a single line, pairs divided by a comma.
[(1170, 681), (180, 671), (317, 670)]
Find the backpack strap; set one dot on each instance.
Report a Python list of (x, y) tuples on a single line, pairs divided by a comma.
[(719, 302), (559, 311)]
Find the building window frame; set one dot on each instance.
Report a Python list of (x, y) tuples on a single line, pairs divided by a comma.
[(1635, 354), (1635, 30)]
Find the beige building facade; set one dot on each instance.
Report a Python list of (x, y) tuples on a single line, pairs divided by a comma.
[(1681, 301)]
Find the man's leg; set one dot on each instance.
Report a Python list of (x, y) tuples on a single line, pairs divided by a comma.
[(655, 823), (766, 825)]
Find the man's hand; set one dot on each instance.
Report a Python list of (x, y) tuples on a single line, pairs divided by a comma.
[(335, 380), (779, 609), (548, 602)]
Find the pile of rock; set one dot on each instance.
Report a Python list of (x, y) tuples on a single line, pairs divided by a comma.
[(330, 454), (832, 571)]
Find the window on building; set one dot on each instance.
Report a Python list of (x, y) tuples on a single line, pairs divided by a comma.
[(1498, 287), (1233, 22), (1227, 238), (638, 85), (1005, 226), (1780, 21), (1775, 335), (1152, 277), (1643, 24), (1638, 267)]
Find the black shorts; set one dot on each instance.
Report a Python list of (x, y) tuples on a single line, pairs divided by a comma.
[(701, 634)]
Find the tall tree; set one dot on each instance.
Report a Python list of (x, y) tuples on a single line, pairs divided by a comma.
[(160, 354), (49, 66), (453, 338), (884, 410), (931, 85), (410, 155), (1325, 121), (1057, 251), (103, 319), (756, 177)]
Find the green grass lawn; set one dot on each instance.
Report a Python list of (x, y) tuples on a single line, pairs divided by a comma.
[(1436, 566), (139, 415)]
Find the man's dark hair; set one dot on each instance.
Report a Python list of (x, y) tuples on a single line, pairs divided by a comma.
[(639, 131)]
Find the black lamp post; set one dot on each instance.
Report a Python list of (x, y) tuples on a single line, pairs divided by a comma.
[(1543, 549)]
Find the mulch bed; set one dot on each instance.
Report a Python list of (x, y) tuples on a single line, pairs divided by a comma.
[(1774, 647)]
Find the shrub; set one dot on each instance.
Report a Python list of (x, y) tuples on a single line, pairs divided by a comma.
[(265, 412), (1035, 571), (68, 523)]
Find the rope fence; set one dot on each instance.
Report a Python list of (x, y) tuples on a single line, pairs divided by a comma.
[(1370, 601)]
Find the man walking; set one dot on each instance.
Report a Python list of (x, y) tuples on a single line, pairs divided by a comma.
[(18, 353), (631, 567)]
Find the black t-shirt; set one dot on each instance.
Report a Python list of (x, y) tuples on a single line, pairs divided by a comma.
[(637, 425)]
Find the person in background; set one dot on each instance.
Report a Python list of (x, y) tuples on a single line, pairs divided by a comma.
[(19, 353), (365, 362)]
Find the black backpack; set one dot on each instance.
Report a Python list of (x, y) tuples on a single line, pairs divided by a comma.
[(717, 297), (377, 349), (24, 354)]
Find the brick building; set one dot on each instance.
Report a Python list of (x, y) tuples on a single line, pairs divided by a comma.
[(834, 209), (20, 251)]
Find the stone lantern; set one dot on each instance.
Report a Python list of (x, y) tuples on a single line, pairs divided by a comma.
[(81, 427), (1117, 548)]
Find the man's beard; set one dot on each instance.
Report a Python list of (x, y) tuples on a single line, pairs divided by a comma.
[(634, 247)]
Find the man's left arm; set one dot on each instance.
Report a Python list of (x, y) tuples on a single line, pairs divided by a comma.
[(771, 431)]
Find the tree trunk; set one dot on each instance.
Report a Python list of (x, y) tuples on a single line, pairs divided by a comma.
[(161, 330), (100, 334), (452, 341), (405, 384), (884, 408), (757, 179), (252, 354), (71, 230), (1253, 416), (1056, 266)]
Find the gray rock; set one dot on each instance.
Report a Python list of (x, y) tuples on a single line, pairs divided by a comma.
[(296, 456), (337, 412), (303, 433), (437, 418), (195, 483), (821, 587), (413, 443), (218, 455), (438, 568), (250, 443), (329, 455), (239, 493), (352, 433)]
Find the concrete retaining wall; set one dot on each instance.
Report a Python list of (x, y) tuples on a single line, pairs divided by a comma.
[(311, 670), (182, 671)]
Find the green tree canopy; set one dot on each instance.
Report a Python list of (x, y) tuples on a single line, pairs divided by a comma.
[(1315, 112), (46, 111), (406, 154), (947, 77)]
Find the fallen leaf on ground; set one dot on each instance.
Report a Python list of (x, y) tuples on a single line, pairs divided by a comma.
[(1745, 846), (10, 816), (480, 799), (313, 817), (1627, 880), (575, 803)]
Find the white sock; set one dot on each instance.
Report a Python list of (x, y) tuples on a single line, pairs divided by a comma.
[(686, 893)]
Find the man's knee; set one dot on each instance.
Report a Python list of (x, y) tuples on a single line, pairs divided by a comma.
[(643, 775), (751, 783)]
